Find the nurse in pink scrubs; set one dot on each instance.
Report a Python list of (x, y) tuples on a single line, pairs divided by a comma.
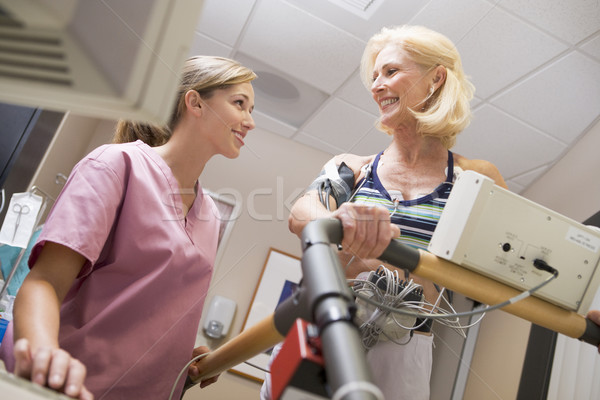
[(121, 269)]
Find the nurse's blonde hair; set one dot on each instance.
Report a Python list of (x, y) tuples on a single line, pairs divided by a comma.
[(204, 74)]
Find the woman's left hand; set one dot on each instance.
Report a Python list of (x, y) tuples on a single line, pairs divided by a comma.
[(194, 372)]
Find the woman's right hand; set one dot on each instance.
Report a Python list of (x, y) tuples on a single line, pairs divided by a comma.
[(51, 367), (594, 316), (367, 229)]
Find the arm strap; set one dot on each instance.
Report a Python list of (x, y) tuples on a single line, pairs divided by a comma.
[(335, 181)]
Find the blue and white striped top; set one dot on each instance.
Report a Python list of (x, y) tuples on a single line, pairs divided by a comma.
[(416, 218)]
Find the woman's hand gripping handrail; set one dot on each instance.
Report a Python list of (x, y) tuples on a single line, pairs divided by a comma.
[(324, 299)]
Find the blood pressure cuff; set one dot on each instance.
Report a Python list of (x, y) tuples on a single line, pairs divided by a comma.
[(335, 181)]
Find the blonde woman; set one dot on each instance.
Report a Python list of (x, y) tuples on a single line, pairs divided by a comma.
[(416, 78)]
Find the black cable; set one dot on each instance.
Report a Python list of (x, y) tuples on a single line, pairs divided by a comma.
[(542, 265)]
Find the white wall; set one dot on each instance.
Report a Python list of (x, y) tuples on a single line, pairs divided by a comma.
[(269, 174)]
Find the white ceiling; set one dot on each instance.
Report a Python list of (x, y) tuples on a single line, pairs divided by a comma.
[(535, 64)]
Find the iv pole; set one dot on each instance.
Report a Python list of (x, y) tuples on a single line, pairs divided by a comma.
[(325, 299)]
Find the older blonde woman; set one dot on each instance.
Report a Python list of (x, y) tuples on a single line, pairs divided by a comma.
[(415, 76)]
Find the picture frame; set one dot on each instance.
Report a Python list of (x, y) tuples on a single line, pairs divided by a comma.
[(281, 273)]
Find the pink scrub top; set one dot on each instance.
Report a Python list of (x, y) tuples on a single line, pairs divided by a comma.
[(132, 314)]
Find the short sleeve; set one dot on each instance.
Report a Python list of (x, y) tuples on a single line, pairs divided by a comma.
[(85, 211)]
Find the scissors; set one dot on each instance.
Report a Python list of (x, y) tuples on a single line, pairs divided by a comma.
[(20, 210)]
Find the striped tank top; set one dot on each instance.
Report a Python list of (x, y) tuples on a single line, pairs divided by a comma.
[(416, 218)]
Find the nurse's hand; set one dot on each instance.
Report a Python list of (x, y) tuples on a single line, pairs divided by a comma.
[(367, 230), (194, 372), (51, 367)]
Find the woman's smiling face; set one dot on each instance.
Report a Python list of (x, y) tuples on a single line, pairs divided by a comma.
[(398, 84)]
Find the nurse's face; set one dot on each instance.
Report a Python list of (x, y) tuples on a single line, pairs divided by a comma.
[(227, 118)]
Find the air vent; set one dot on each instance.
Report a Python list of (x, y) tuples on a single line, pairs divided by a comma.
[(6, 19), (31, 57), (362, 8), (99, 58)]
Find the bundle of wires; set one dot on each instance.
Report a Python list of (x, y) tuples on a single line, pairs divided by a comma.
[(388, 307), (384, 286)]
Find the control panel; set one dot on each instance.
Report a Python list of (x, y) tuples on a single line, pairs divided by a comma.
[(497, 233)]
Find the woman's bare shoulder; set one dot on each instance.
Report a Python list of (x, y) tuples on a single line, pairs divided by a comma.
[(484, 167)]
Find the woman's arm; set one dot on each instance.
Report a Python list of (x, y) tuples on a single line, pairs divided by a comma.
[(309, 207), (367, 230), (37, 320)]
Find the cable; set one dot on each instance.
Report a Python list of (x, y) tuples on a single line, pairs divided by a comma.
[(385, 286), (382, 323), (519, 297), (184, 369), (257, 367), (393, 298), (374, 295)]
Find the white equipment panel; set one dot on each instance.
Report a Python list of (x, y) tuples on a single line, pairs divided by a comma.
[(12, 387), (497, 233)]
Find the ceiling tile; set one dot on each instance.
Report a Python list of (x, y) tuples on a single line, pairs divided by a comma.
[(273, 125), (592, 47), (301, 45), (475, 101), (355, 93), (371, 143), (387, 13), (224, 20), (514, 187), (317, 143), (528, 178), (506, 142), (562, 99), (570, 20), (441, 16), (280, 95), (500, 49), (203, 45), (340, 124)]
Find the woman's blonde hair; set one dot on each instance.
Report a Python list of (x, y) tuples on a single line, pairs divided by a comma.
[(204, 74), (447, 111)]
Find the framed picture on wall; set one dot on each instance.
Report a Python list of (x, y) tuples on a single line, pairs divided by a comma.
[(281, 274)]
